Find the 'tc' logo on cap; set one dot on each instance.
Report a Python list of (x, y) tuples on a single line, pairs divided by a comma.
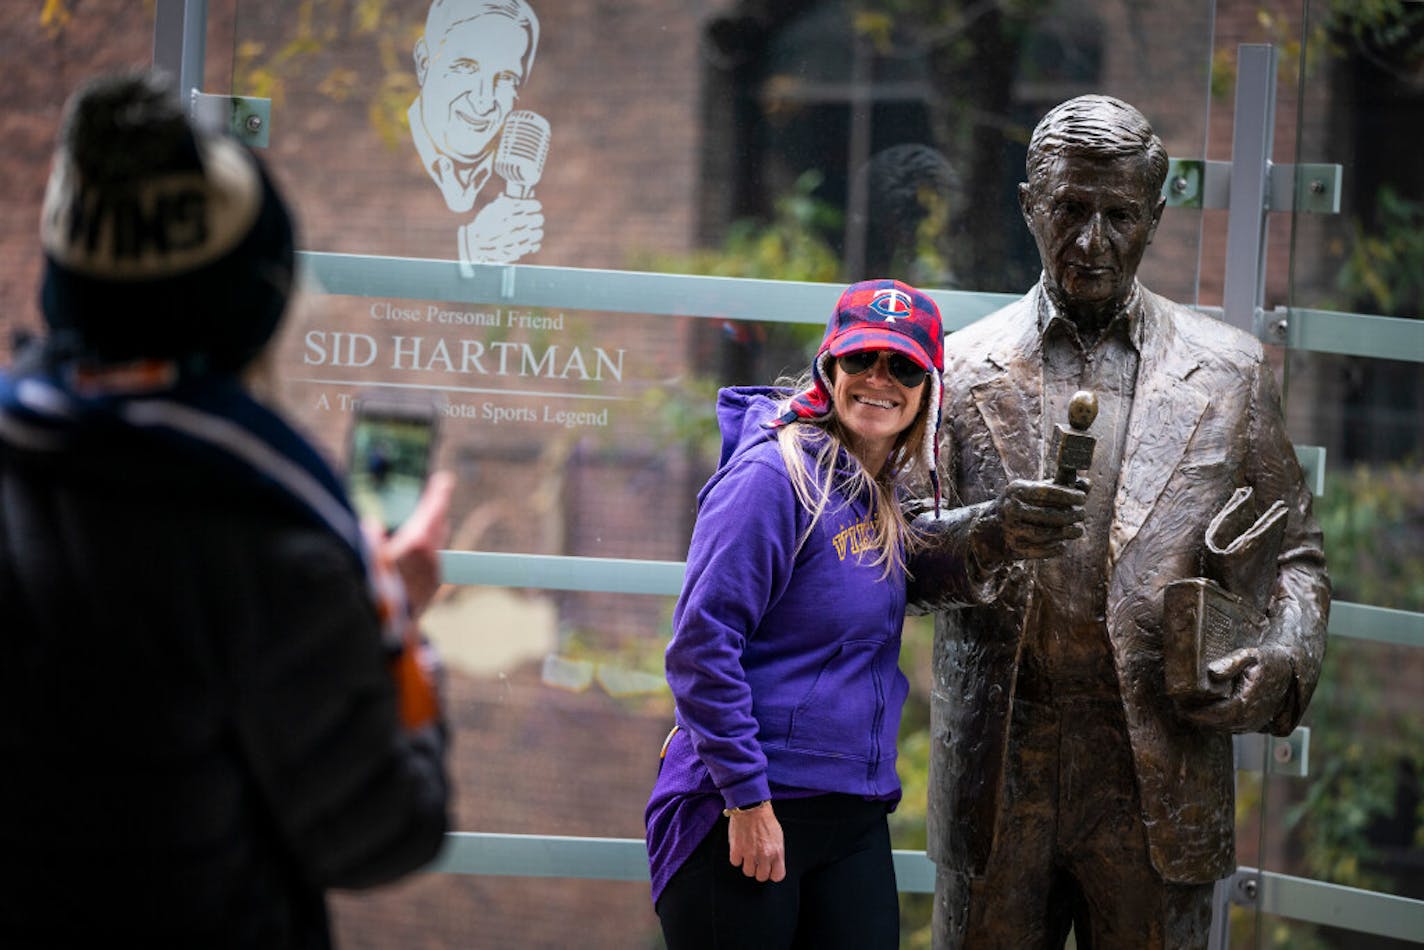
[(891, 304)]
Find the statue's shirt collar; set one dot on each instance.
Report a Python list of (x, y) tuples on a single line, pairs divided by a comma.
[(1127, 321)]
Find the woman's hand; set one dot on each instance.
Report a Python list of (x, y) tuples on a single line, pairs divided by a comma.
[(756, 843)]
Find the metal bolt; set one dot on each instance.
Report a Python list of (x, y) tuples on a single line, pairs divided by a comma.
[(1317, 187), (1283, 752), (1279, 328), (1179, 184), (1247, 887), (254, 124)]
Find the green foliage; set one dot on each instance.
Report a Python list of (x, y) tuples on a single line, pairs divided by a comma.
[(1384, 269), (1280, 933), (907, 822), (791, 246), (1297, 55), (627, 669), (1362, 747), (936, 23), (1364, 740), (682, 411), (1373, 522), (1388, 31), (1383, 25), (296, 57)]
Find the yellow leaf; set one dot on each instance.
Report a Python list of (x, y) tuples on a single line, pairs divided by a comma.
[(54, 16)]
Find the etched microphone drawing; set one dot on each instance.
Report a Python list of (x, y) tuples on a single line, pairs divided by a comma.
[(471, 62)]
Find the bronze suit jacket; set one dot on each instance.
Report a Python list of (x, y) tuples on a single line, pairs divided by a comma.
[(1205, 420)]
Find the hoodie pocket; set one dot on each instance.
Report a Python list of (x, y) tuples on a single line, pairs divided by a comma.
[(840, 715)]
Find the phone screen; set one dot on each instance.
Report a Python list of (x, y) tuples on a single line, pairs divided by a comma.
[(390, 459)]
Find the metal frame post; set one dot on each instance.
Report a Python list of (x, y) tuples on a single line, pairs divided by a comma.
[(1252, 137), (180, 29)]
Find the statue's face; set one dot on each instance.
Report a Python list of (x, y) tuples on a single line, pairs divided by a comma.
[(1092, 218)]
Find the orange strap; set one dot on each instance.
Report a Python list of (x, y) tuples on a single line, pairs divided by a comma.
[(418, 703)]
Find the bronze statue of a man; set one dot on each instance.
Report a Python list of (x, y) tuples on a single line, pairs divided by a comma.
[(1081, 772)]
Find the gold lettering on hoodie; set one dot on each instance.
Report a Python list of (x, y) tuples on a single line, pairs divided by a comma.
[(855, 538)]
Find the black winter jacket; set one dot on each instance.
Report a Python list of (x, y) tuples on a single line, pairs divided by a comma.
[(197, 726)]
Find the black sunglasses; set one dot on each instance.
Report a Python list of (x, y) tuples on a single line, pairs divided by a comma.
[(906, 371)]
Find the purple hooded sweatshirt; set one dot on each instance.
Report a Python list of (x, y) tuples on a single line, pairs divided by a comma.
[(784, 662)]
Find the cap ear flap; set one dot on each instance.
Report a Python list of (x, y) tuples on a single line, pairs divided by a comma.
[(824, 369), (931, 447)]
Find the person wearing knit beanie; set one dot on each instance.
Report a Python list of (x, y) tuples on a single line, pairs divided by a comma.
[(215, 699), (161, 241)]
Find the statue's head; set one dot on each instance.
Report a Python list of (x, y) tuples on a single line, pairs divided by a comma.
[(1093, 198)]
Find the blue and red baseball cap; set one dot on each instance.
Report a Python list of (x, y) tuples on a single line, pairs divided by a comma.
[(881, 314), (885, 315)]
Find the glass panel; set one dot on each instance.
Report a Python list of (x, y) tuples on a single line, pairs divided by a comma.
[(1356, 819), (814, 142), (1361, 104), (808, 141), (849, 139)]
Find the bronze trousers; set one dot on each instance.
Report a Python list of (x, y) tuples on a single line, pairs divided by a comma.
[(1070, 849)]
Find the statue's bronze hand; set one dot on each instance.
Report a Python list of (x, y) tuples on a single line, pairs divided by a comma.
[(1031, 519), (1260, 678)]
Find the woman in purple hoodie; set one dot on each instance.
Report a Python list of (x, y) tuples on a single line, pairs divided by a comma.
[(767, 825)]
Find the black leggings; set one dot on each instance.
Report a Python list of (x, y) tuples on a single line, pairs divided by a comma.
[(839, 889)]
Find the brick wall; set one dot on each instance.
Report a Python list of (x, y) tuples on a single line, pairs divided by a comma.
[(41, 68)]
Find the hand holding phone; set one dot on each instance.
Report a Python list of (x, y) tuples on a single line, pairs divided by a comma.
[(405, 510), (414, 551), (391, 448), (414, 548)]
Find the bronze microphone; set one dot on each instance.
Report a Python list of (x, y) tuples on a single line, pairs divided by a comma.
[(1072, 446)]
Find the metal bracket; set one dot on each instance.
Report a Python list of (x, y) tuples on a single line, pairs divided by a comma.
[(1195, 183), (245, 117), (1312, 463), (1244, 887), (1273, 325), (1305, 189), (1280, 755)]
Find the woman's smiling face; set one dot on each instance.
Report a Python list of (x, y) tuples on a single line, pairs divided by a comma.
[(874, 408)]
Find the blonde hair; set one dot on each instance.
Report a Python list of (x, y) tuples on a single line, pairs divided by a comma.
[(817, 479)]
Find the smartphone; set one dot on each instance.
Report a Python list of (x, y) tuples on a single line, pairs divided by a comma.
[(391, 449)]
